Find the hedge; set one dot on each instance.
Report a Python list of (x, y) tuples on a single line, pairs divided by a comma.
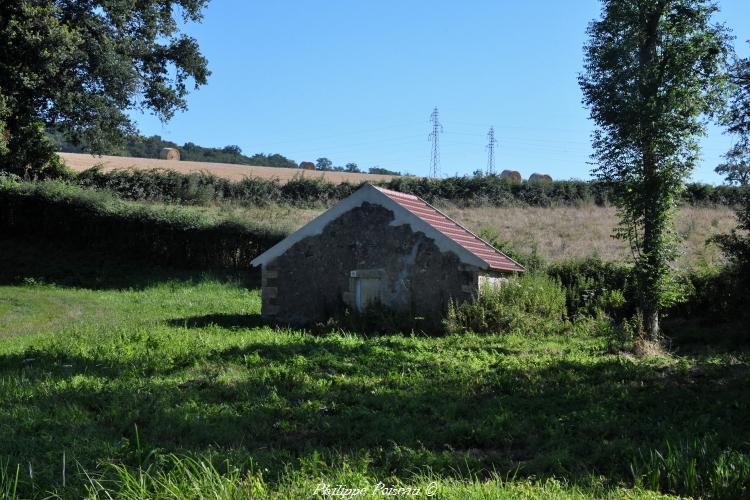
[(165, 235), (200, 188)]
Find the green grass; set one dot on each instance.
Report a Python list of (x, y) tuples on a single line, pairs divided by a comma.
[(175, 388)]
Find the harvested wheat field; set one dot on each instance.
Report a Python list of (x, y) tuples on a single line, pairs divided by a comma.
[(80, 162)]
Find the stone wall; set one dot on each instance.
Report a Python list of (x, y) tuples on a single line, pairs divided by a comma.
[(310, 281)]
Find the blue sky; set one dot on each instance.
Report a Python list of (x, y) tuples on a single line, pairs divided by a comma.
[(356, 81)]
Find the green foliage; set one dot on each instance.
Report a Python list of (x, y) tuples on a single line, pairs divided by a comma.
[(179, 380), (499, 191), (187, 367), (528, 302), (178, 478), (382, 171), (202, 187), (595, 288), (150, 147), (169, 235), (736, 245), (80, 68), (377, 319), (737, 116), (713, 295), (736, 170), (308, 191), (652, 69), (9, 480), (696, 468)]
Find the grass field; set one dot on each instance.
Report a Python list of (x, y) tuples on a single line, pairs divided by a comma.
[(172, 386), (574, 232), (80, 162)]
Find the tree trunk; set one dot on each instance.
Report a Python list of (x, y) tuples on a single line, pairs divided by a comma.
[(651, 322), (651, 261)]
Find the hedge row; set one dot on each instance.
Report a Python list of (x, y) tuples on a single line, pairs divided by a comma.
[(203, 188), (165, 235)]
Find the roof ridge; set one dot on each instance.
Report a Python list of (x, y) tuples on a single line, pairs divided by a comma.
[(397, 193)]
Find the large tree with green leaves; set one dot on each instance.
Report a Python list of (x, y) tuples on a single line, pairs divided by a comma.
[(737, 119), (654, 69), (80, 65), (736, 169)]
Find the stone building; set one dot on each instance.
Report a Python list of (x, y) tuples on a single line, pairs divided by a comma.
[(377, 246)]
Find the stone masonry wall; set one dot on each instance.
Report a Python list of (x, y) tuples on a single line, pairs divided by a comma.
[(308, 282)]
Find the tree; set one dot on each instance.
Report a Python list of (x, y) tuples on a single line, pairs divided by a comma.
[(352, 167), (79, 67), (323, 164), (654, 69), (737, 167), (736, 245), (232, 150), (737, 120), (382, 171), (737, 117)]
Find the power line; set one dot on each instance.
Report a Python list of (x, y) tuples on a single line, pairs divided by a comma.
[(491, 151), (434, 137)]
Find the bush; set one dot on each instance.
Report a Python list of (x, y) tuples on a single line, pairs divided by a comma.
[(530, 301), (166, 235), (714, 295), (595, 288), (203, 187)]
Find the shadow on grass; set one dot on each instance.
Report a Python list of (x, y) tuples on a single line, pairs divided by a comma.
[(30, 261), (228, 321), (707, 336), (389, 399)]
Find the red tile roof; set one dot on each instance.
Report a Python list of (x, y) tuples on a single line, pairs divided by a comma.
[(495, 259)]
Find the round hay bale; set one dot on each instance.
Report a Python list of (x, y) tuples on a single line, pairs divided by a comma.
[(307, 165), (169, 154), (512, 175), (536, 177)]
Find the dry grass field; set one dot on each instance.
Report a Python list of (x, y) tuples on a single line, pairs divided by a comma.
[(559, 233), (555, 233), (80, 162)]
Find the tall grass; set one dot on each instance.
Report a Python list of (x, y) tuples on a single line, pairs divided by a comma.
[(529, 301), (695, 468), (187, 478), (9, 477), (176, 478)]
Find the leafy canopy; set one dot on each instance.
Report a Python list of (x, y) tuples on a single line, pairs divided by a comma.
[(653, 70), (736, 169), (79, 66), (737, 119)]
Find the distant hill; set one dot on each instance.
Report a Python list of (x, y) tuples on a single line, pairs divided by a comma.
[(236, 172), (149, 147)]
